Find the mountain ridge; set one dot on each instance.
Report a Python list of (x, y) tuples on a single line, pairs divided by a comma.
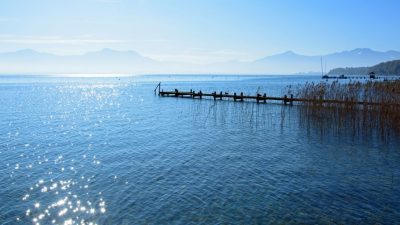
[(108, 60)]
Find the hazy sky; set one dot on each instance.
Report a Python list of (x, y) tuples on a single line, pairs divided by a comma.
[(201, 30)]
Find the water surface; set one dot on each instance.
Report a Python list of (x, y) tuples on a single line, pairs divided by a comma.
[(108, 151)]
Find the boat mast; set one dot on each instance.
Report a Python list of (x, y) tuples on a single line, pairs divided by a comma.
[(322, 67)]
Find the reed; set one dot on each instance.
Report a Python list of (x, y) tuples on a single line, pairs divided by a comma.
[(382, 92), (384, 116)]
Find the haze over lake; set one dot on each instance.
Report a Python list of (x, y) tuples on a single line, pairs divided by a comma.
[(110, 61)]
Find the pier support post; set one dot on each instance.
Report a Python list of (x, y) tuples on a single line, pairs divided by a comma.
[(265, 98), (291, 99), (157, 87), (234, 96), (241, 96), (285, 99), (220, 95), (201, 94)]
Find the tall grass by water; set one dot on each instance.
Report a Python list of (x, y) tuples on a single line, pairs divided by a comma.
[(367, 107)]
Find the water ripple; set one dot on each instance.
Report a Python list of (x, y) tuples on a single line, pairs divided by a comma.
[(105, 151)]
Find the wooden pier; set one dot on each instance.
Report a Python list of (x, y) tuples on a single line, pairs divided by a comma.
[(220, 96), (263, 98)]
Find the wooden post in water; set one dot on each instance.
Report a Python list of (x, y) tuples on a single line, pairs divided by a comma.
[(201, 94), (291, 99), (265, 98), (241, 96), (158, 86), (285, 99), (234, 96), (220, 97)]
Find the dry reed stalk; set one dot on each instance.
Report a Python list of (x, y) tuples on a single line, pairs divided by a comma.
[(383, 117)]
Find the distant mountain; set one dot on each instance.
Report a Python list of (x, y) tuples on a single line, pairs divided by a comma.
[(386, 68), (29, 61), (287, 62), (291, 62), (360, 57)]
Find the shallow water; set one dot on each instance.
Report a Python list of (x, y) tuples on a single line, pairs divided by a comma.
[(108, 151)]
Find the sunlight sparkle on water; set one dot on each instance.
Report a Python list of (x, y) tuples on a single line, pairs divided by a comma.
[(63, 201)]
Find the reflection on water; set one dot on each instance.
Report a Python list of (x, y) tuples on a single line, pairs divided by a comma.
[(66, 200), (60, 189), (364, 124), (105, 151), (357, 123)]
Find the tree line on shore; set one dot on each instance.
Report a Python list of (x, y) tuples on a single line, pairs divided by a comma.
[(385, 68)]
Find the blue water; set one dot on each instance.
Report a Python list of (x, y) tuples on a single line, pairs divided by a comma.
[(108, 151)]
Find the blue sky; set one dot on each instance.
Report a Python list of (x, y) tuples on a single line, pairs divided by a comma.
[(201, 30)]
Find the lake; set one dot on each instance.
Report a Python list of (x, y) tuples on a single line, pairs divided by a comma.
[(108, 151)]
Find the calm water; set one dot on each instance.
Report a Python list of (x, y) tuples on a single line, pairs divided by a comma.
[(107, 151)]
